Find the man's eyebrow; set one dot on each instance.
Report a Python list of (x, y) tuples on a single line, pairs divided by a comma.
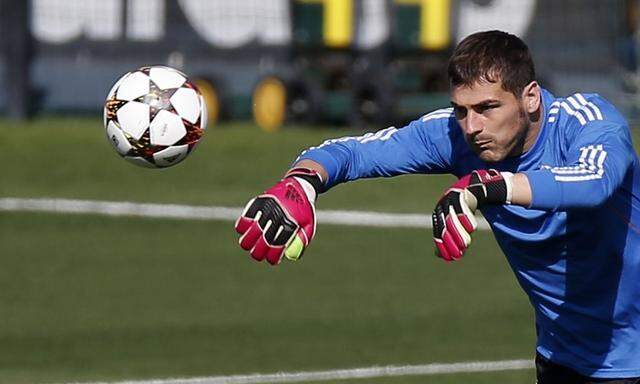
[(480, 104), (487, 102)]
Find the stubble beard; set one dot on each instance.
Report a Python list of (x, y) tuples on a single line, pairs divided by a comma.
[(515, 147)]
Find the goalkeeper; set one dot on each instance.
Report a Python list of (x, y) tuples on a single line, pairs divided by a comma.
[(556, 178)]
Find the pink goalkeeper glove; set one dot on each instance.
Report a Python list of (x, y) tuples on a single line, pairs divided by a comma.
[(454, 216), (281, 221)]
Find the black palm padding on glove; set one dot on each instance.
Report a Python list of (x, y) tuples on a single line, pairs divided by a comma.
[(271, 210)]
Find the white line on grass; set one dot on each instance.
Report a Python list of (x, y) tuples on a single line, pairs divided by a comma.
[(343, 374), (113, 208), (358, 218)]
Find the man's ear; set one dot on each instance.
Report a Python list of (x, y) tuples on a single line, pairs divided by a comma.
[(531, 97)]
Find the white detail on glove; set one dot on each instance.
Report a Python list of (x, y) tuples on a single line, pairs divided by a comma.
[(308, 189), (508, 180)]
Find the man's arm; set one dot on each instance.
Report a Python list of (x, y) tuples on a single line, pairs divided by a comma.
[(310, 164), (423, 146), (596, 165), (521, 192), (281, 221)]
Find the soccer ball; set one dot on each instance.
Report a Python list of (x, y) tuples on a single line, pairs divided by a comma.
[(154, 116)]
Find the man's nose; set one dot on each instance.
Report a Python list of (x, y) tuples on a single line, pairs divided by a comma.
[(474, 123)]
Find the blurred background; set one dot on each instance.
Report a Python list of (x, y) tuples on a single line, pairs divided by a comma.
[(95, 291), (310, 61)]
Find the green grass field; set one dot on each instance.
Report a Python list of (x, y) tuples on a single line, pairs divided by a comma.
[(89, 298)]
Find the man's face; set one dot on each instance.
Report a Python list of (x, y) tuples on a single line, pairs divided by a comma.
[(494, 122)]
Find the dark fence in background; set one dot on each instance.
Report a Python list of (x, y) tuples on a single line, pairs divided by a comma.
[(358, 61), (15, 58)]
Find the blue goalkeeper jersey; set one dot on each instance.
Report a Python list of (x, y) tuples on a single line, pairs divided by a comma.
[(575, 251)]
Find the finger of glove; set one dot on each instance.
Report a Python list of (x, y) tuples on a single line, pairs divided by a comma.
[(460, 226), (274, 254), (454, 251), (461, 238), (262, 250), (469, 223), (467, 217), (250, 237), (441, 250), (244, 222)]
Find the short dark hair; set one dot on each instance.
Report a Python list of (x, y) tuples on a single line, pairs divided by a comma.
[(492, 56)]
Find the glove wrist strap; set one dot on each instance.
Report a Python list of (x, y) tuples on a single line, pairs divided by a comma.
[(494, 189), (310, 176)]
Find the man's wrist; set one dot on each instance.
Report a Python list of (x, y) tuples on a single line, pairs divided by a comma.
[(310, 176), (522, 194)]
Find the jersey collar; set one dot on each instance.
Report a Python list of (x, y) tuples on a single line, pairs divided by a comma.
[(522, 161)]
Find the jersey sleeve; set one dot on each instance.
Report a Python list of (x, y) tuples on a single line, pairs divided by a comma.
[(423, 146), (599, 154)]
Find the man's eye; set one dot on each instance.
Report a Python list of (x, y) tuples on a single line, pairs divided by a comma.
[(460, 112), (484, 108)]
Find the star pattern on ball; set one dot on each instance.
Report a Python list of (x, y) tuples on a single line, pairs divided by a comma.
[(158, 99)]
